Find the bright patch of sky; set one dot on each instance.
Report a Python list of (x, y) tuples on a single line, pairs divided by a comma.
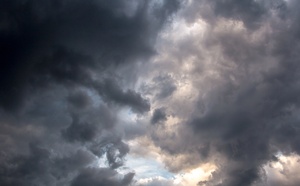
[(147, 168)]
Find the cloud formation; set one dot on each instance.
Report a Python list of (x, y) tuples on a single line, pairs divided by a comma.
[(63, 87), (239, 62), (193, 83)]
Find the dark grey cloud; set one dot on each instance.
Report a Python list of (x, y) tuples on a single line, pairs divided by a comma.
[(159, 115), (79, 99), (111, 91), (62, 86), (249, 11), (39, 167), (80, 131), (42, 42), (95, 177)]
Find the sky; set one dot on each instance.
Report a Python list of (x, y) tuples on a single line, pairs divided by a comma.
[(149, 93)]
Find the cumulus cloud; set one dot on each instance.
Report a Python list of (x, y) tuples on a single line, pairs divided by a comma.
[(237, 62)]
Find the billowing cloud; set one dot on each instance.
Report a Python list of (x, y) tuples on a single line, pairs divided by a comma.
[(63, 87), (207, 88), (237, 78)]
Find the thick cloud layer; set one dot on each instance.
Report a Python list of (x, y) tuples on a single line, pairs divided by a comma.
[(63, 41), (63, 86), (239, 62), (208, 83)]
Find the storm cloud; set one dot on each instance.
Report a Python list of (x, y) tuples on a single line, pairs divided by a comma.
[(207, 88), (63, 85)]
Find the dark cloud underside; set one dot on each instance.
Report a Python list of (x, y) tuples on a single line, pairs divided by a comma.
[(61, 88), (70, 68)]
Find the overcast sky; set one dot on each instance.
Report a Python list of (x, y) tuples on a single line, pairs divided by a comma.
[(149, 92)]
